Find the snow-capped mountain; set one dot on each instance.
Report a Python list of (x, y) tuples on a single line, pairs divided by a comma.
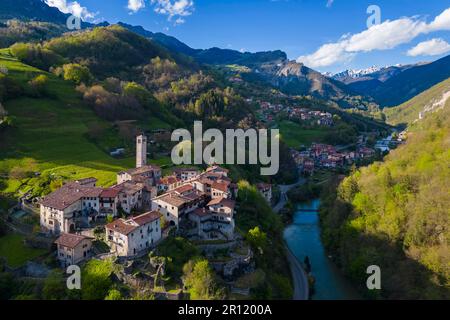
[(382, 74), (355, 73)]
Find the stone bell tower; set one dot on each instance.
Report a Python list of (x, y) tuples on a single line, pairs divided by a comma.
[(141, 151)]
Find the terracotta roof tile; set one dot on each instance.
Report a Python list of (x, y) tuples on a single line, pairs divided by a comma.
[(143, 169), (68, 194), (217, 168), (201, 212), (125, 227), (109, 193), (121, 226), (184, 188), (222, 201), (70, 240), (221, 185), (147, 217)]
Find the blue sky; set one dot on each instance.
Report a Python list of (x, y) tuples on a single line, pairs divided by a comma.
[(324, 34)]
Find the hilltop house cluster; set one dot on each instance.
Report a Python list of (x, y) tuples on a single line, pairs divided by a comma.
[(326, 156), (310, 117), (199, 204), (268, 110)]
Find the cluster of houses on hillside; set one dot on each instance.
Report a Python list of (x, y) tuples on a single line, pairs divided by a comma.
[(268, 111), (326, 156), (310, 117), (201, 204)]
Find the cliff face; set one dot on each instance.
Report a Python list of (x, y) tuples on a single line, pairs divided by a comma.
[(295, 78)]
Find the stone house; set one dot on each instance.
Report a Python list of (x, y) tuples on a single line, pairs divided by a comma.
[(185, 174), (73, 249), (216, 220), (127, 238), (73, 205), (147, 174), (176, 204)]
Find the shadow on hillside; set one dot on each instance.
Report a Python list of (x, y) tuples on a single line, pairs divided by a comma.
[(401, 276)]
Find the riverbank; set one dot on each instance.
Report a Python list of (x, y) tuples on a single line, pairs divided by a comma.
[(303, 238), (300, 280), (301, 285)]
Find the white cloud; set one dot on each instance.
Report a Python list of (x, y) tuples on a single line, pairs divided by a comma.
[(179, 21), (384, 36), (327, 55), (441, 22), (71, 7), (174, 8), (329, 3), (136, 5), (433, 47)]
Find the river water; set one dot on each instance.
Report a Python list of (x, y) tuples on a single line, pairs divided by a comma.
[(303, 238)]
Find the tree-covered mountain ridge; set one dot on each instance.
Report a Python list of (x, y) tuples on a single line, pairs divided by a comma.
[(391, 87), (271, 65), (395, 214)]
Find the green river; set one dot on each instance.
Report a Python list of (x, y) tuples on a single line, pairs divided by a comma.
[(303, 239)]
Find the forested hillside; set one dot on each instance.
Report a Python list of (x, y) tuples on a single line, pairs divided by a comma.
[(13, 31), (409, 111), (396, 214)]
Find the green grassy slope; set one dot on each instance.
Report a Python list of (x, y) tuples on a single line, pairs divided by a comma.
[(409, 111), (295, 136), (15, 252), (50, 134)]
